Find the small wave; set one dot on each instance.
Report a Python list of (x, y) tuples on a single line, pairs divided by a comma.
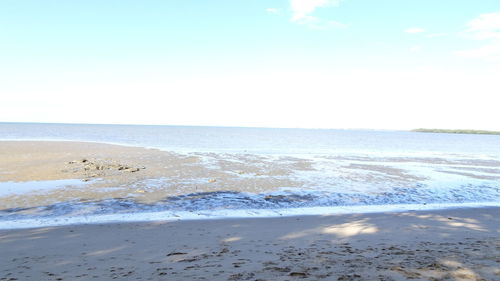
[(231, 200)]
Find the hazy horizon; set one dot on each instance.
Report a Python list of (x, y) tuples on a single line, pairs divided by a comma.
[(223, 126)]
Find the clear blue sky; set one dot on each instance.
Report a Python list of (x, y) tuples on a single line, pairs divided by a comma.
[(297, 63)]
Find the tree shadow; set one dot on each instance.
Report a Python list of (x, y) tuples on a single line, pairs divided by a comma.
[(460, 244)]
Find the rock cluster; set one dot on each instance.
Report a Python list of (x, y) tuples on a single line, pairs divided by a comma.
[(99, 168)]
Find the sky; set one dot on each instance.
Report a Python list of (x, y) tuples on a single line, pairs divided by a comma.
[(374, 64)]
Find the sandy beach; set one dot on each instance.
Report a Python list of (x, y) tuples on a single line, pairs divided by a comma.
[(453, 244), (460, 244)]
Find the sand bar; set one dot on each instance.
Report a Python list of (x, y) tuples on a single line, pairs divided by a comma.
[(149, 175)]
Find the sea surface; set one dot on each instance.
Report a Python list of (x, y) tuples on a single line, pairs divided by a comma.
[(353, 171)]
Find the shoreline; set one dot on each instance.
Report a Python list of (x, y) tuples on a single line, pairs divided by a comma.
[(457, 244), (185, 151), (207, 215), (98, 175)]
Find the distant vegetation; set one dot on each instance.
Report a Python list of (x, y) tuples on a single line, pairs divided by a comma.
[(448, 131)]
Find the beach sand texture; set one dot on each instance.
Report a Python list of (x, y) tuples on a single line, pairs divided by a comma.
[(460, 244)]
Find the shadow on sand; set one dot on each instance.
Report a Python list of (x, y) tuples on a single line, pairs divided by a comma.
[(460, 244)]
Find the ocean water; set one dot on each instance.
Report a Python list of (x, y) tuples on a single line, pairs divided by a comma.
[(351, 170), (262, 140)]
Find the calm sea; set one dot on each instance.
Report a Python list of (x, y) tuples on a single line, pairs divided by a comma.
[(262, 140)]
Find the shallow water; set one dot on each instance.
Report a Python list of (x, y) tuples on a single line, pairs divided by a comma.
[(30, 187), (222, 214), (321, 170)]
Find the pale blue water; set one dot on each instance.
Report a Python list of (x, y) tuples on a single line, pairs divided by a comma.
[(428, 169), (261, 140), (18, 188)]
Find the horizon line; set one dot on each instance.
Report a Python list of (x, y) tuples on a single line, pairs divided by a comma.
[(216, 126)]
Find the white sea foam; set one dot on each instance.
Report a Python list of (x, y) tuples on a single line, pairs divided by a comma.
[(225, 214)]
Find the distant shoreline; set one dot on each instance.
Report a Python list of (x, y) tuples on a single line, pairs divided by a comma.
[(452, 131)]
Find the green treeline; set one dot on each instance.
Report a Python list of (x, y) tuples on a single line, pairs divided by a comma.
[(448, 131)]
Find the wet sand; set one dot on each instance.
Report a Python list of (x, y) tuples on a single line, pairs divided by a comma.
[(460, 244), (148, 175), (117, 164)]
